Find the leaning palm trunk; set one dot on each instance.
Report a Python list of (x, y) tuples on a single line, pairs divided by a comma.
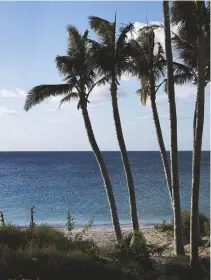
[(107, 183), (161, 144), (197, 143), (125, 160), (179, 248)]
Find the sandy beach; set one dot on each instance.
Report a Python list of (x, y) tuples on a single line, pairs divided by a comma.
[(104, 235), (104, 238)]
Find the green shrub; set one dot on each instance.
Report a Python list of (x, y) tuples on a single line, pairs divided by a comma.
[(53, 265), (86, 246), (12, 236), (204, 223), (133, 254), (164, 227), (45, 236), (70, 222), (79, 242), (2, 222)]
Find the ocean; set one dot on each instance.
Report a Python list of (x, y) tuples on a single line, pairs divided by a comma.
[(54, 182)]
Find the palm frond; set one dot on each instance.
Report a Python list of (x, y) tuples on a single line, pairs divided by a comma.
[(64, 64), (104, 29), (181, 79), (151, 26), (144, 91), (180, 68), (124, 35), (68, 97), (39, 93), (74, 37), (187, 52), (159, 65)]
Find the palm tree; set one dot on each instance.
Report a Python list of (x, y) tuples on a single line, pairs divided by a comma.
[(111, 59), (148, 64), (193, 18), (179, 248), (81, 79)]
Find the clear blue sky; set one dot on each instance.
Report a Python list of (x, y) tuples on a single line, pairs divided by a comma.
[(32, 34)]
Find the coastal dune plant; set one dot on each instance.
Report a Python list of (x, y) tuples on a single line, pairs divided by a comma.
[(49, 263), (2, 218), (44, 236), (32, 223), (111, 56), (204, 225), (70, 222), (78, 72), (179, 247), (134, 256), (13, 236)]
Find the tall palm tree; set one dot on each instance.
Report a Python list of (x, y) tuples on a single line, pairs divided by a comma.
[(193, 18), (179, 248), (111, 59), (81, 79), (149, 65)]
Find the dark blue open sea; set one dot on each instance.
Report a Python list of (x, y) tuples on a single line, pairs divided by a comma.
[(57, 181)]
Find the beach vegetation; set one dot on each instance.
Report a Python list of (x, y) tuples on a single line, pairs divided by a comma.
[(70, 222), (32, 223), (134, 255), (44, 236), (2, 222), (204, 225), (49, 263), (164, 227), (12, 236)]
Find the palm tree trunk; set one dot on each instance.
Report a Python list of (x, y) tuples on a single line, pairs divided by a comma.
[(104, 172), (125, 160), (179, 248), (197, 144), (194, 136), (161, 145)]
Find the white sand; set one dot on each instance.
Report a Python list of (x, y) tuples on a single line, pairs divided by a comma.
[(104, 235)]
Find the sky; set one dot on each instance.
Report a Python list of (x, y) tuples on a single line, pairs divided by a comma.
[(32, 35)]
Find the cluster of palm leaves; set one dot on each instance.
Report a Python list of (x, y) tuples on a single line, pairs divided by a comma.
[(90, 63)]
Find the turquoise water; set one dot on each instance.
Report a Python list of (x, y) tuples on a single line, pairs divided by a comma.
[(57, 181)]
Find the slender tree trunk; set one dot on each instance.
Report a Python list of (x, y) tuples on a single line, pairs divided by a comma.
[(196, 159), (194, 136), (125, 160), (179, 247), (104, 172), (161, 145)]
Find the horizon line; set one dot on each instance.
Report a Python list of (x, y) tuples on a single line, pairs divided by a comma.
[(44, 151)]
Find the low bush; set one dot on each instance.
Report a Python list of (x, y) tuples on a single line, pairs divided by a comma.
[(133, 255), (164, 227), (204, 223), (45, 236), (51, 264), (12, 236), (70, 222)]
